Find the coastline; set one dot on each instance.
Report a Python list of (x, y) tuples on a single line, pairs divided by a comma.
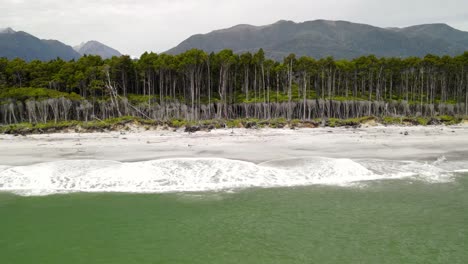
[(130, 123), (424, 143)]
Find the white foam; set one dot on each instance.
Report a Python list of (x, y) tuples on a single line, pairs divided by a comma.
[(193, 175), (429, 172)]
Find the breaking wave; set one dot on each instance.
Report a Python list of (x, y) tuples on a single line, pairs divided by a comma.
[(210, 174)]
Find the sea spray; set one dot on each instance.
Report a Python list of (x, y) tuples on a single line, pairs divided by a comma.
[(208, 174)]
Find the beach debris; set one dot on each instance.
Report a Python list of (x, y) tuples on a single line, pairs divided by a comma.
[(192, 129), (252, 125), (434, 122)]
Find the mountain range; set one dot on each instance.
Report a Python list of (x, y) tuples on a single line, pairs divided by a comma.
[(318, 39), (19, 44), (323, 38)]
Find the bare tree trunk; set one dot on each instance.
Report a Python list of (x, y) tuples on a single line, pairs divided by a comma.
[(263, 83), (289, 90), (113, 93), (246, 83), (277, 86), (305, 96), (209, 88), (466, 97)]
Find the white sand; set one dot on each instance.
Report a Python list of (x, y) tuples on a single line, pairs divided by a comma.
[(422, 143)]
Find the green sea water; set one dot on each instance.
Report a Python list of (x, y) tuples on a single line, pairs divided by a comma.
[(400, 221)]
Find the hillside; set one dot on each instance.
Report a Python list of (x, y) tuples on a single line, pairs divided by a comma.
[(28, 47), (340, 39)]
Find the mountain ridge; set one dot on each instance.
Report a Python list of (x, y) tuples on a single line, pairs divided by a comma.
[(323, 38), (20, 44)]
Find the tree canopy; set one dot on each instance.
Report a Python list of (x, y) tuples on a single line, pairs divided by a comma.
[(198, 79)]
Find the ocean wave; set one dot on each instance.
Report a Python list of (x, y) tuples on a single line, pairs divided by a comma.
[(209, 174)]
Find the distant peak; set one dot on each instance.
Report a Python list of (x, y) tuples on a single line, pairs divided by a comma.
[(243, 26), (320, 21), (94, 47), (238, 27), (93, 41), (78, 47), (432, 25), (282, 21), (86, 43), (7, 30)]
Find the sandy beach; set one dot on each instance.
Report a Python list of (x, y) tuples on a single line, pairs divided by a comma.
[(420, 143)]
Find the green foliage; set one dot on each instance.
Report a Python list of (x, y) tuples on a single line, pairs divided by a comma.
[(355, 121), (196, 78), (94, 125), (423, 121), (349, 98), (252, 123), (178, 123), (449, 120), (327, 78), (35, 93)]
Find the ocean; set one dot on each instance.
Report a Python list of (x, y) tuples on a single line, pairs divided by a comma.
[(303, 210)]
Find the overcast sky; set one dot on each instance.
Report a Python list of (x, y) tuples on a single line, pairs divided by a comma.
[(135, 26)]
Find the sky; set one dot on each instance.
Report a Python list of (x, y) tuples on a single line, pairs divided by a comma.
[(136, 26)]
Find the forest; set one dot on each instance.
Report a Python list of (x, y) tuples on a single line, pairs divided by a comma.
[(199, 86)]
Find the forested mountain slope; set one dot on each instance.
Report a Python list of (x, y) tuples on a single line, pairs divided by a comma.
[(340, 39)]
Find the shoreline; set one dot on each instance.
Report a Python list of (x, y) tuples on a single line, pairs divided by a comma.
[(228, 159), (424, 143), (128, 123)]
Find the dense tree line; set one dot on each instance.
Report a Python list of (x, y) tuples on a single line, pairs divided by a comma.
[(196, 85)]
